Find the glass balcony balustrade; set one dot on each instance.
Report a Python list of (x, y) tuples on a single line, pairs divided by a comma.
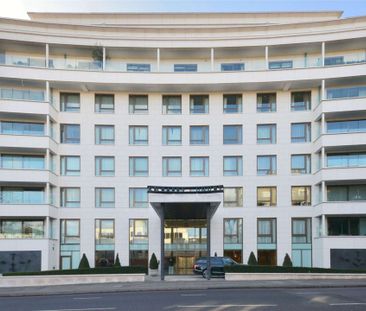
[(22, 60), (19, 94), (22, 196), (21, 229)]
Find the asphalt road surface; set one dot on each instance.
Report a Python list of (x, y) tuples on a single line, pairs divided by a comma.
[(335, 299)]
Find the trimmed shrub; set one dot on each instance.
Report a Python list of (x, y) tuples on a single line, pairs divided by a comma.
[(84, 263), (252, 261), (153, 264), (287, 261), (117, 263)]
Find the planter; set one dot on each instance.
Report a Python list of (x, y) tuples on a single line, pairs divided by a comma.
[(153, 272)]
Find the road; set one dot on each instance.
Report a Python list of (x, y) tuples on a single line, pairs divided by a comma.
[(335, 299)]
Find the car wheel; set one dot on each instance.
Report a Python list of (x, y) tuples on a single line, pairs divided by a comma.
[(205, 274)]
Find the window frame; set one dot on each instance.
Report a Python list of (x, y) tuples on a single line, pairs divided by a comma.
[(272, 202)]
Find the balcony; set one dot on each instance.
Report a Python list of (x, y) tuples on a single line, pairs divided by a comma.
[(28, 210), (341, 174), (35, 143), (28, 175), (341, 208), (339, 107), (340, 141)]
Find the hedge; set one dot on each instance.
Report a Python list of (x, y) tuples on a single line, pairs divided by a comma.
[(104, 270), (279, 269)]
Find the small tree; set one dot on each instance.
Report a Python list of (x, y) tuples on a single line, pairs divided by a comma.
[(287, 261), (154, 264), (252, 261), (84, 263), (117, 263)]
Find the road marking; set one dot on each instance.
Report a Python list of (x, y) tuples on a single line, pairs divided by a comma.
[(347, 304), (192, 295), (223, 306), (86, 298), (83, 309)]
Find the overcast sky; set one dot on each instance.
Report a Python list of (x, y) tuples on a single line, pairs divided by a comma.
[(18, 8)]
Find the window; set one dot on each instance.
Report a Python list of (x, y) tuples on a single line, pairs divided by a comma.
[(301, 164), (21, 128), (139, 67), (346, 160), (301, 195), (104, 231), (185, 67), (346, 193), (266, 231), (21, 229), (104, 166), (233, 239), (172, 166), (70, 102), (199, 166), (70, 133), (104, 197), (21, 195), (70, 165), (198, 104), (266, 196), (70, 197), (266, 165), (104, 103), (172, 135), (233, 197), (350, 126), (346, 226), (281, 64), (139, 135), (104, 134), (172, 104), (138, 104), (139, 166), (15, 161), (233, 166), (301, 230), (70, 231), (266, 102), (199, 135), (233, 135), (69, 243), (334, 60), (266, 134), (139, 242), (233, 103), (300, 101), (346, 92), (138, 198), (300, 132), (233, 67)]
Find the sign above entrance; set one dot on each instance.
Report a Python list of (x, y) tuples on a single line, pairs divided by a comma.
[(199, 189)]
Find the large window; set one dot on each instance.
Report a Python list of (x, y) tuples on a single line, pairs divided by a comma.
[(70, 165), (199, 166), (233, 238), (138, 198), (172, 104), (104, 103), (70, 102), (300, 132), (301, 195), (185, 67), (266, 165), (139, 242), (104, 134), (266, 231), (300, 101), (301, 230), (233, 103), (69, 243), (138, 104), (104, 242), (198, 104), (70, 231), (139, 135), (70, 197), (21, 229), (172, 135), (139, 67), (346, 226), (280, 64), (139, 166), (199, 135), (346, 193), (266, 196), (301, 164), (233, 166), (172, 166), (346, 160), (233, 197), (266, 133), (266, 102), (21, 128), (12, 161), (233, 134), (21, 195), (104, 197), (350, 126), (104, 166), (233, 67), (70, 133)]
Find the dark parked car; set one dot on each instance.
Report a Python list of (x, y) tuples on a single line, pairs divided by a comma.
[(217, 265)]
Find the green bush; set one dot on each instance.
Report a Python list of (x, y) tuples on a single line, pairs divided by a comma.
[(153, 264), (84, 263), (287, 261), (103, 270), (279, 269), (117, 263), (252, 261)]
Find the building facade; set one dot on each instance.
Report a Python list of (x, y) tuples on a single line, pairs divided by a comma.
[(253, 127)]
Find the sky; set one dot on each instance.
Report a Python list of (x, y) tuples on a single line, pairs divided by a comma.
[(19, 8)]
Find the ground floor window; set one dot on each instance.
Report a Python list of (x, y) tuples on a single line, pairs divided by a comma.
[(267, 257)]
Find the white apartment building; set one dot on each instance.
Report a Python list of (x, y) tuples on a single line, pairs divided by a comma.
[(182, 134)]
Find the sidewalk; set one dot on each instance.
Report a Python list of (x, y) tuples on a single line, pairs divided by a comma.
[(173, 284)]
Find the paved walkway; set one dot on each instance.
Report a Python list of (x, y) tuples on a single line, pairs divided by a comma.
[(174, 283)]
